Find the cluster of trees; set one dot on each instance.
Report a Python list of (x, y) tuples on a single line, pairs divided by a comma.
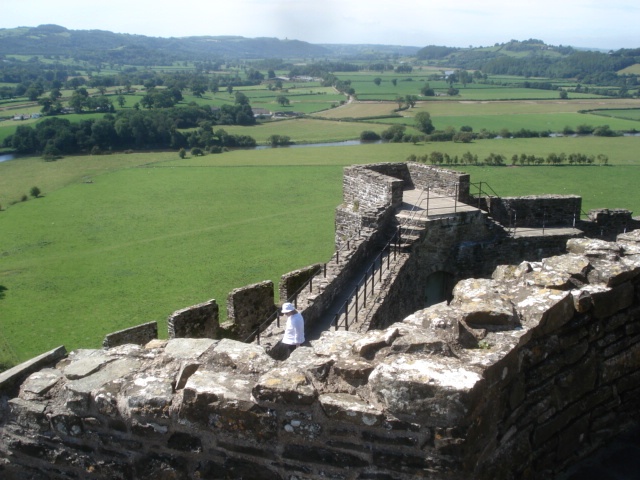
[(397, 133), (497, 159), (32, 79), (588, 67), (134, 129)]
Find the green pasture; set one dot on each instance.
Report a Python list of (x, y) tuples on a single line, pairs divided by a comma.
[(629, 114), (472, 108), (515, 115), (632, 70), (537, 122), (120, 240), (304, 130), (136, 245), (360, 110)]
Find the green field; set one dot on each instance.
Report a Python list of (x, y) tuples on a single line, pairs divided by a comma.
[(629, 114)]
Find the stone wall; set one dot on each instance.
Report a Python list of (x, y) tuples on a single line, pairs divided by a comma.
[(607, 224), (518, 377), (249, 306), (363, 187), (197, 321), (292, 282), (140, 334), (448, 182), (536, 211)]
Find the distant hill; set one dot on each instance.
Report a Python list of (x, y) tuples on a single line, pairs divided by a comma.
[(105, 46), (531, 58), (100, 45)]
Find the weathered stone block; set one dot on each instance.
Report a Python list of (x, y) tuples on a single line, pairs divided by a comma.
[(241, 357), (39, 383), (351, 409), (209, 391), (285, 385), (188, 348), (29, 414), (481, 304), (607, 302), (428, 390)]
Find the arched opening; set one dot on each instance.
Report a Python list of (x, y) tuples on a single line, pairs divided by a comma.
[(438, 288)]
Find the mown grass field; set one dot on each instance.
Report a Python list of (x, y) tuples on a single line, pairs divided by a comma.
[(304, 130), (151, 233)]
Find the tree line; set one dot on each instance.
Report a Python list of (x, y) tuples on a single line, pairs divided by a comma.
[(134, 129), (423, 123), (498, 160)]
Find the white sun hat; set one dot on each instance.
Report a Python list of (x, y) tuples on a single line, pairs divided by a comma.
[(288, 307)]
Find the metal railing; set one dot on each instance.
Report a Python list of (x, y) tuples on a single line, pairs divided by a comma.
[(255, 334), (542, 227), (349, 312), (481, 193)]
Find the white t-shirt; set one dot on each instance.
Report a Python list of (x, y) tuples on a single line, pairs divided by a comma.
[(294, 330)]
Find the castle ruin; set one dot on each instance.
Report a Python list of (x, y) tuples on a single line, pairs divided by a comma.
[(501, 341)]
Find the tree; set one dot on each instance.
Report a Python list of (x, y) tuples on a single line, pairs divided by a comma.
[(411, 100), (121, 101), (33, 92), (394, 133), (423, 122), (377, 81), (35, 192), (394, 82), (369, 136), (563, 94), (282, 100), (241, 99), (182, 153), (427, 91)]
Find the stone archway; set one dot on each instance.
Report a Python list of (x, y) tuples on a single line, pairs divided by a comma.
[(438, 288)]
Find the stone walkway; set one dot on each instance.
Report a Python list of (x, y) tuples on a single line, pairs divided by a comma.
[(426, 204)]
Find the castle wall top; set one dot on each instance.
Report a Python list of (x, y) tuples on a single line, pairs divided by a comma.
[(500, 382)]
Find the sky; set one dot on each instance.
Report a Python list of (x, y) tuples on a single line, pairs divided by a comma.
[(601, 24)]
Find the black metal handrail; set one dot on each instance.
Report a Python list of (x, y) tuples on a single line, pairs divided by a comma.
[(255, 334), (376, 268), (480, 192)]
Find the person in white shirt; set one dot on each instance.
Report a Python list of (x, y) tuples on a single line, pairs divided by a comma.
[(294, 330)]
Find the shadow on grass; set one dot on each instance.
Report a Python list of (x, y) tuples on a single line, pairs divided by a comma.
[(2, 290)]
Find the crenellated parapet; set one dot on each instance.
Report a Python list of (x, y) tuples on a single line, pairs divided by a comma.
[(517, 377)]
